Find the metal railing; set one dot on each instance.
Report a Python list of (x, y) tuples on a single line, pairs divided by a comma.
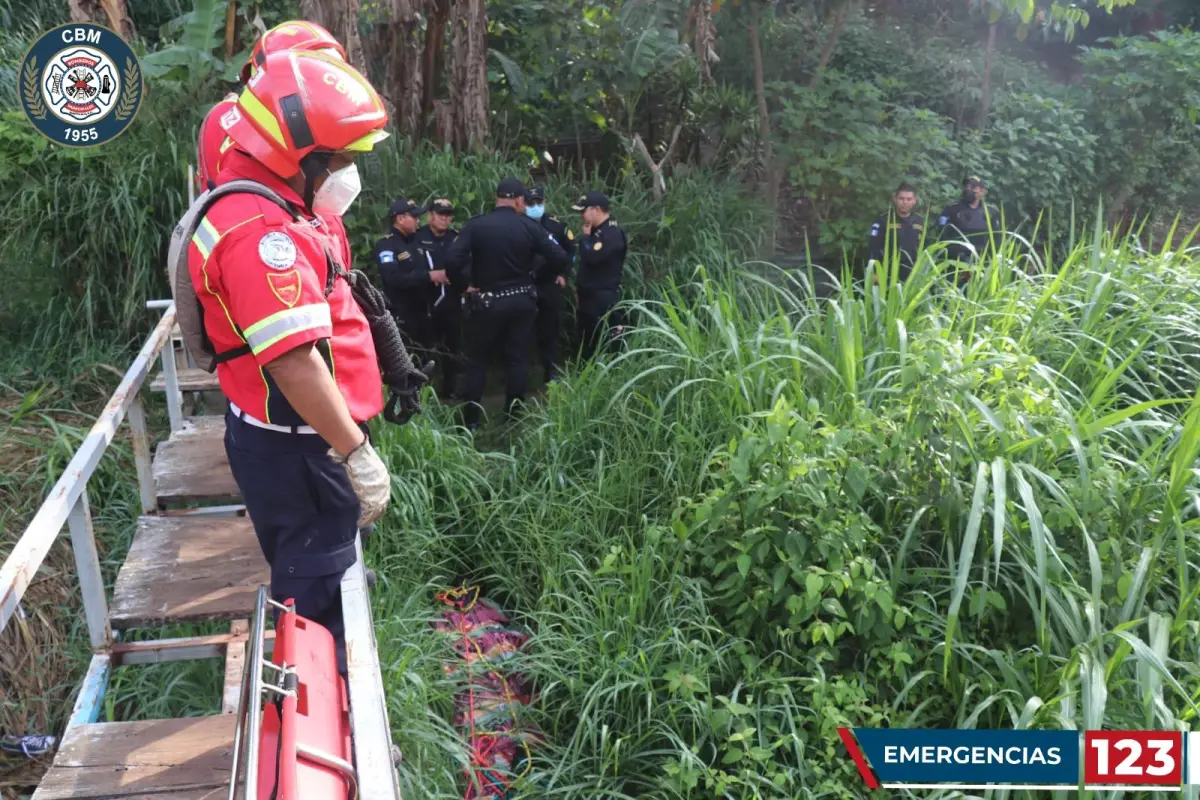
[(248, 725), (68, 502)]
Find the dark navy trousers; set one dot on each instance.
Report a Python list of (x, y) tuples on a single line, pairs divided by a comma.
[(305, 514)]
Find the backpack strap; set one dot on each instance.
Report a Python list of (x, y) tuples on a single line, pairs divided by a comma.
[(205, 202)]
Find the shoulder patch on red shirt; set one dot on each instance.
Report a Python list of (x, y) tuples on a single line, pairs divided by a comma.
[(277, 250), (285, 286)]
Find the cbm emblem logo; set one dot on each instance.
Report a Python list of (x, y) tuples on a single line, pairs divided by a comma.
[(81, 85)]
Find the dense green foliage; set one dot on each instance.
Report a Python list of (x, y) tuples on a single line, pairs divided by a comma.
[(771, 516), (900, 104), (772, 513)]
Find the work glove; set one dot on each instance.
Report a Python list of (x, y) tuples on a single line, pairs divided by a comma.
[(370, 479), (403, 379)]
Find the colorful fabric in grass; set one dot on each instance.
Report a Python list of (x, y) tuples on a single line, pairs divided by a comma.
[(492, 696)]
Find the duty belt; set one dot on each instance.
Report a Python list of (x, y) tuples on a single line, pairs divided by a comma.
[(510, 292)]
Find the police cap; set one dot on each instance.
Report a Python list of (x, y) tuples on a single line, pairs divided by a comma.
[(974, 180), (592, 198), (441, 206), (510, 188), (536, 195), (405, 206)]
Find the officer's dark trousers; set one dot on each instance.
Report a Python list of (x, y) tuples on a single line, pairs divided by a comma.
[(594, 307), (549, 323), (446, 341), (305, 514), (505, 329), (416, 329)]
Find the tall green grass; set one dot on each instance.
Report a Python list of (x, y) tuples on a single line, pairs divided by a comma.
[(774, 513)]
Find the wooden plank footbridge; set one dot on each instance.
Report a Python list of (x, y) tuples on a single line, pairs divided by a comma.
[(194, 558)]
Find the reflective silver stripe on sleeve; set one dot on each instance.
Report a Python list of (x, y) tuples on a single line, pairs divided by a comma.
[(206, 237), (270, 330)]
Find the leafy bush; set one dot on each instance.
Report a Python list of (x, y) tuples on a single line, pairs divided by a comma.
[(784, 542), (1144, 104), (1038, 153), (848, 148)]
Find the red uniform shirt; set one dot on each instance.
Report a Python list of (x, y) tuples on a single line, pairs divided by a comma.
[(210, 144), (261, 278)]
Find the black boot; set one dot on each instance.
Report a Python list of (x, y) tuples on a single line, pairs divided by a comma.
[(472, 411)]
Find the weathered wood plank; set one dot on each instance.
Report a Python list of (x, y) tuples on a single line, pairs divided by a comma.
[(235, 664), (139, 759), (188, 569), (191, 466), (191, 379), (189, 648), (220, 793)]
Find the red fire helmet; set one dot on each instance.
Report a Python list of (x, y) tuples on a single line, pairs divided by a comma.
[(293, 35), (210, 144), (300, 102)]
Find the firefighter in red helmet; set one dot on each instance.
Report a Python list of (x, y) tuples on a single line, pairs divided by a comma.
[(293, 35), (294, 349)]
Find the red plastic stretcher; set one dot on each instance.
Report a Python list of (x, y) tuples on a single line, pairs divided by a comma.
[(314, 729), (299, 746)]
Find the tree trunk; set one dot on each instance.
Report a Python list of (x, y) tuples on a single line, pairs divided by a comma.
[(770, 178), (116, 14), (230, 28), (437, 12), (83, 10), (469, 89), (838, 23), (339, 17), (700, 15), (119, 20), (760, 89), (658, 181), (406, 76), (986, 93), (443, 122)]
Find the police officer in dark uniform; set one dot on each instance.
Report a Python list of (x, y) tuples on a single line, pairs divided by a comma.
[(969, 220), (408, 281), (445, 307), (899, 230), (550, 282), (492, 263), (601, 264)]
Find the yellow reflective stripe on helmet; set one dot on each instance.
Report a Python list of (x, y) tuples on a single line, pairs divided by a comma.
[(367, 143), (206, 237), (225, 145), (280, 325), (261, 115)]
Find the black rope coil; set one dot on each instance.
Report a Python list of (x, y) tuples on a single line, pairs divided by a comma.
[(403, 379)]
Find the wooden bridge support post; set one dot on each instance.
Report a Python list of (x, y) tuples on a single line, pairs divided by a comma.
[(91, 580), (171, 376), (235, 665), (141, 454)]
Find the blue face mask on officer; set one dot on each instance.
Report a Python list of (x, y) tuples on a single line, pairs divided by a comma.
[(535, 212)]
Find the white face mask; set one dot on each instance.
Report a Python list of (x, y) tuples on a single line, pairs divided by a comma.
[(337, 192)]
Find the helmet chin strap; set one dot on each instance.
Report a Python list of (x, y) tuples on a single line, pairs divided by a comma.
[(313, 166)]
